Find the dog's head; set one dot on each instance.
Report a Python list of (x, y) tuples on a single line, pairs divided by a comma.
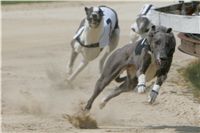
[(94, 16), (142, 24), (162, 43)]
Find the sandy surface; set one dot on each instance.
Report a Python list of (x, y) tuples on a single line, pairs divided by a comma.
[(35, 52)]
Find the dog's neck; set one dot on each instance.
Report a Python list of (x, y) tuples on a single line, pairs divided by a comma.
[(93, 35)]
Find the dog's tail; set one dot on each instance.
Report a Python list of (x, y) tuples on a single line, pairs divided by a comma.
[(120, 79)]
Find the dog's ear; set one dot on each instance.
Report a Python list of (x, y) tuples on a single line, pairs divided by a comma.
[(153, 28), (169, 30), (151, 31), (101, 12), (86, 10)]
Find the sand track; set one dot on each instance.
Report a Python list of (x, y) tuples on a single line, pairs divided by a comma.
[(35, 50)]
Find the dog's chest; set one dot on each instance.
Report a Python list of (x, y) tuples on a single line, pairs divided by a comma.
[(92, 36), (152, 69), (89, 37)]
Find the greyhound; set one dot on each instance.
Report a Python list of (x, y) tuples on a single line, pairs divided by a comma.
[(97, 31), (139, 29), (143, 60)]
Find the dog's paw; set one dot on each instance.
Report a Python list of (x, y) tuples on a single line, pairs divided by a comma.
[(154, 93), (152, 97), (103, 103), (68, 83), (141, 88), (69, 71)]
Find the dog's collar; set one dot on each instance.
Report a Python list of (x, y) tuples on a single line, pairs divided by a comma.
[(143, 43), (147, 44), (93, 45)]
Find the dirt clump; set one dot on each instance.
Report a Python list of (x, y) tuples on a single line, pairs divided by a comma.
[(81, 119)]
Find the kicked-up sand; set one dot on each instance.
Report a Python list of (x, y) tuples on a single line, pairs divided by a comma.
[(35, 97)]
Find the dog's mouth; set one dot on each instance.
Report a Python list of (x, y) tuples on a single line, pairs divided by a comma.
[(158, 62), (161, 63), (94, 22)]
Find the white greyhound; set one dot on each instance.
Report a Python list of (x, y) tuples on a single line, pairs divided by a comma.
[(140, 28), (98, 31)]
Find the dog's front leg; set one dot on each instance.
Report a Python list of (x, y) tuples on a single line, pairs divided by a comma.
[(72, 57), (141, 86), (71, 62), (81, 66), (156, 87)]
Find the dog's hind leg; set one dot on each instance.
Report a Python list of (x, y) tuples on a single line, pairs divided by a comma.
[(102, 60), (114, 39), (81, 66), (113, 44), (114, 93), (129, 84), (72, 58), (101, 83)]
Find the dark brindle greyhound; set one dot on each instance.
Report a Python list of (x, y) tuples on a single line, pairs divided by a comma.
[(148, 58)]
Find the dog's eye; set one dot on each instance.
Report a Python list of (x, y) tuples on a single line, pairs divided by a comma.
[(100, 12)]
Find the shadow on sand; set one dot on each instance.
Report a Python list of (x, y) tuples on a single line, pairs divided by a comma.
[(179, 129)]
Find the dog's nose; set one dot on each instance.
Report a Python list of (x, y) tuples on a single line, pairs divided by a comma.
[(94, 15), (163, 58), (163, 55)]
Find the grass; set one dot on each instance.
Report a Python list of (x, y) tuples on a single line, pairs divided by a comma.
[(192, 74)]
